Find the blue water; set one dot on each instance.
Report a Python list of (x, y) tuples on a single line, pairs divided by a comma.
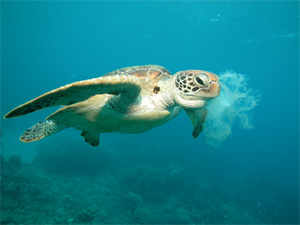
[(164, 175)]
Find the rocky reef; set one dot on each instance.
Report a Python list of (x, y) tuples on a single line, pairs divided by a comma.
[(75, 186)]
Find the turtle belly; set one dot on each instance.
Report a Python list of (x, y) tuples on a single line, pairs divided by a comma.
[(134, 122), (97, 115)]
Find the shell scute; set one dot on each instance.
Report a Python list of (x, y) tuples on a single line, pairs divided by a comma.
[(144, 73)]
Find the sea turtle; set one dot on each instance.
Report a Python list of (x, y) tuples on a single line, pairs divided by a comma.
[(129, 100)]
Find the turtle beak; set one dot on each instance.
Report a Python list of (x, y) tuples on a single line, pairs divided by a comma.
[(217, 88), (216, 85)]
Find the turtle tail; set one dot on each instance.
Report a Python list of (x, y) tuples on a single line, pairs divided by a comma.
[(41, 130)]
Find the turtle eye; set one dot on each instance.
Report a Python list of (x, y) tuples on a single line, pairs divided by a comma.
[(199, 80), (202, 79)]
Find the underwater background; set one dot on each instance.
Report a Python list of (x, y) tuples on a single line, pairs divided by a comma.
[(228, 175)]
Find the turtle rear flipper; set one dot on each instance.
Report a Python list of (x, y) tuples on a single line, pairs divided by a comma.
[(41, 130), (91, 137)]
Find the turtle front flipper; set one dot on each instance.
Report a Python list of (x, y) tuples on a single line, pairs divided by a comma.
[(197, 116), (128, 86)]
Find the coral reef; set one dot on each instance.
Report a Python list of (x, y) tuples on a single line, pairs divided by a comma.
[(46, 192)]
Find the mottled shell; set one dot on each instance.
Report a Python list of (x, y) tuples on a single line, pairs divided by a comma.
[(149, 75)]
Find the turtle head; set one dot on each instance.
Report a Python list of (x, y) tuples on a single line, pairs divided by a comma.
[(194, 87)]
